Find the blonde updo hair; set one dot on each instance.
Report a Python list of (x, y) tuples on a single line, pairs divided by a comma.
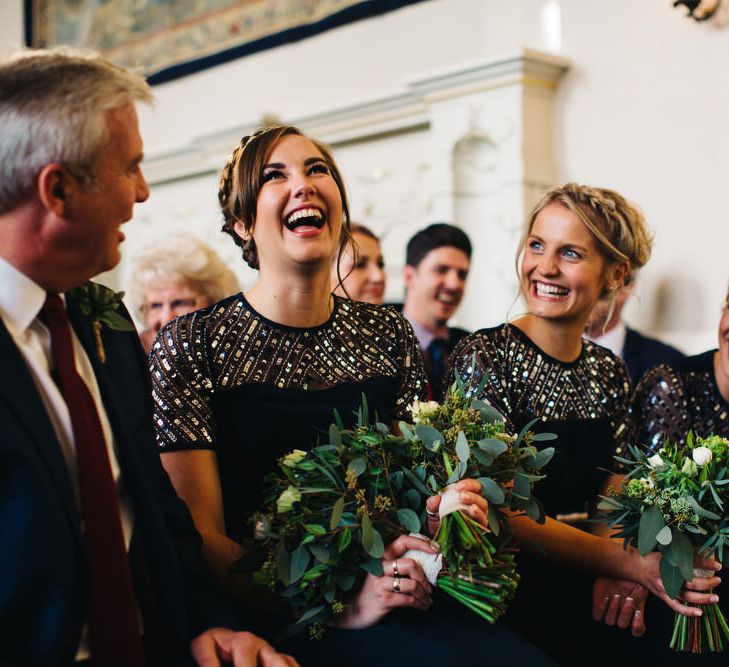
[(617, 225), (240, 183)]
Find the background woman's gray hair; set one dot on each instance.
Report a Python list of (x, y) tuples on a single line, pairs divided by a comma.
[(59, 116), (182, 258)]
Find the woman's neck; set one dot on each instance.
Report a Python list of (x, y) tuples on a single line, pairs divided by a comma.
[(301, 301), (561, 340)]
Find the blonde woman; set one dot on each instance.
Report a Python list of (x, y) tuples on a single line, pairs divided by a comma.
[(580, 244)]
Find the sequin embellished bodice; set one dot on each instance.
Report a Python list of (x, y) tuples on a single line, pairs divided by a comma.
[(585, 402), (673, 399), (227, 379)]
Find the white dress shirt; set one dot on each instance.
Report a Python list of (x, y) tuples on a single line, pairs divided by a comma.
[(613, 340), (20, 303)]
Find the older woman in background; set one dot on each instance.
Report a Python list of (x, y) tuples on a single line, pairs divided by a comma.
[(177, 276), (359, 273)]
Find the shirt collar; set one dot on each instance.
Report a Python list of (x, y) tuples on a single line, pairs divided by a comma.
[(20, 298), (613, 340), (425, 336)]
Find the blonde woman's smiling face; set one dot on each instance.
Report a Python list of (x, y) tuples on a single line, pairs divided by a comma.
[(562, 271), (299, 207)]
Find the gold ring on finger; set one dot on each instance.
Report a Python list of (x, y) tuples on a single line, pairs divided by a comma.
[(395, 570), (396, 585)]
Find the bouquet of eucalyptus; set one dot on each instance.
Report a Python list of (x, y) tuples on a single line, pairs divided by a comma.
[(674, 502), (466, 438), (329, 513)]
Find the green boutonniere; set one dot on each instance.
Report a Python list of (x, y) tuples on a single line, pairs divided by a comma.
[(101, 305)]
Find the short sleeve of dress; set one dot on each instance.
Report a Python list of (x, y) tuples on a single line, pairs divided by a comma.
[(659, 409), (182, 386), (412, 381)]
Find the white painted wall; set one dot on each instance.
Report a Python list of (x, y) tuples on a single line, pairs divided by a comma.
[(641, 110)]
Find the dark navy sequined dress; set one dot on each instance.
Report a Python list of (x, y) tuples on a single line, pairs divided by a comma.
[(586, 403), (673, 399), (227, 379)]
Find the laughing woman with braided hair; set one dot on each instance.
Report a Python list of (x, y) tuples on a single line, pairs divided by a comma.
[(239, 384)]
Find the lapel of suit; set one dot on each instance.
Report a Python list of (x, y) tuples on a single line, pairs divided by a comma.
[(21, 395)]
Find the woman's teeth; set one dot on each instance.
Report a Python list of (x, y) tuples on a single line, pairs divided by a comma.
[(550, 290), (310, 217)]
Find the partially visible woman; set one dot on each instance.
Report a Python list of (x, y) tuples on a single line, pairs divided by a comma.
[(690, 394), (579, 245), (177, 275), (359, 273)]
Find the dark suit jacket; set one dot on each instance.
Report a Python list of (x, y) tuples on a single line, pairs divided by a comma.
[(43, 573), (642, 353)]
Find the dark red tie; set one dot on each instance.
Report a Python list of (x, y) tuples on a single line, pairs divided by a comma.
[(113, 624)]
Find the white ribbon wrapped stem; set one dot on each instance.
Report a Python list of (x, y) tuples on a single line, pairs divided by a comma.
[(432, 564)]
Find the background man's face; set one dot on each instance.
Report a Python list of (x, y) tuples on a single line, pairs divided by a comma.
[(435, 287)]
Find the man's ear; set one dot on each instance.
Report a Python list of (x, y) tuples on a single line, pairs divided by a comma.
[(408, 275), (53, 187)]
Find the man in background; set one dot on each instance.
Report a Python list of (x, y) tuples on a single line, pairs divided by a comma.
[(640, 353), (100, 559), (436, 267)]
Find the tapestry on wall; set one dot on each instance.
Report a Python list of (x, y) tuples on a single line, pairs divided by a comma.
[(170, 38)]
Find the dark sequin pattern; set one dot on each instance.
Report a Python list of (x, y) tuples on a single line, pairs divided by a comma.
[(523, 380), (229, 345), (673, 399)]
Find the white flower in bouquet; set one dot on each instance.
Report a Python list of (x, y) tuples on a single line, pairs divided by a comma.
[(656, 461), (702, 456), (689, 467), (422, 409)]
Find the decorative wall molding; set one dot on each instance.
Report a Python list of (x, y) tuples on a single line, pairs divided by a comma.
[(407, 111)]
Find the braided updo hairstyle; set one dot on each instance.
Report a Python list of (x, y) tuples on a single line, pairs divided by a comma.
[(617, 226), (240, 183)]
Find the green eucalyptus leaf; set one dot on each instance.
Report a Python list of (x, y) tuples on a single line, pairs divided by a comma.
[(488, 412), (491, 490), (346, 580), (664, 536), (543, 457), (494, 523), (357, 466), (371, 539), (373, 566), (682, 552), (651, 522), (431, 438), (409, 520), (335, 437), (310, 613), (283, 565), (320, 552), (544, 437), (484, 458), (416, 482), (492, 446), (345, 538), (534, 510), (412, 499), (522, 487), (671, 578), (337, 511), (463, 451), (299, 562), (525, 430)]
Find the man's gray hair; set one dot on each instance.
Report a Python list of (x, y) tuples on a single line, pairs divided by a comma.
[(52, 109), (184, 259)]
